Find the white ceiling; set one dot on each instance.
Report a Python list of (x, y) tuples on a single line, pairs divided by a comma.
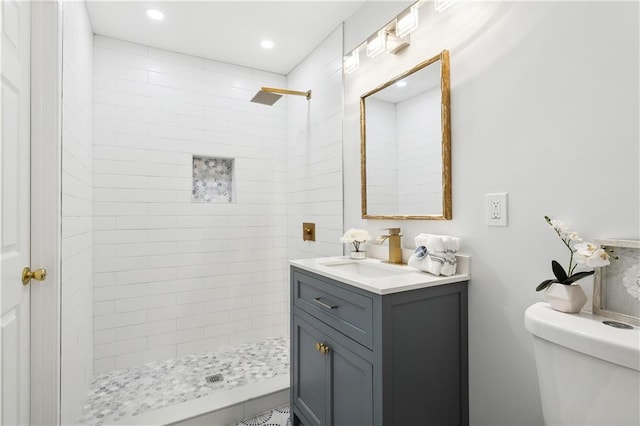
[(226, 31)]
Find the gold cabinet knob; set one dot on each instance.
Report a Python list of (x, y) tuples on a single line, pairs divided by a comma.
[(322, 348), (28, 275)]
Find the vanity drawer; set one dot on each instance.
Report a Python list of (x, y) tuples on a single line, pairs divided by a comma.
[(348, 312)]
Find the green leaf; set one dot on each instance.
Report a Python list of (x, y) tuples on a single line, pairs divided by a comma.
[(544, 284), (578, 276), (558, 271)]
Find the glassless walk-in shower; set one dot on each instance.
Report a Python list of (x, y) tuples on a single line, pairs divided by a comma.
[(174, 252), (182, 202)]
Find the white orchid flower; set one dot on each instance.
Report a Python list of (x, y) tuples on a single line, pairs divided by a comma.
[(573, 236), (559, 226), (583, 252), (598, 258), (586, 248)]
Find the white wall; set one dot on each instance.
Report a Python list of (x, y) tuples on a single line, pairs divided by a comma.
[(314, 151), (76, 251), (544, 100), (172, 277)]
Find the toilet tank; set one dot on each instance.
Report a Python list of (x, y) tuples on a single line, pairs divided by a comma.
[(589, 372)]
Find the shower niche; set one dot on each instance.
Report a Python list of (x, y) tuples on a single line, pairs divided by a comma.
[(212, 180)]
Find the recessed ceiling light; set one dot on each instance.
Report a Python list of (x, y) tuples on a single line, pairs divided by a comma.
[(401, 83), (267, 44), (155, 14)]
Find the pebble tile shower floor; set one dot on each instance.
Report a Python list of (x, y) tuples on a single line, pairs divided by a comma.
[(130, 392)]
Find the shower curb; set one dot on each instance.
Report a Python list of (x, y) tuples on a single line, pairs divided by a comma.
[(221, 408)]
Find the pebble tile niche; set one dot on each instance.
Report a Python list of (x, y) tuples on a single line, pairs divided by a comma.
[(212, 180)]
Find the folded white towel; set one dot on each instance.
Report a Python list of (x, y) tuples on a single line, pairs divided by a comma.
[(441, 254), (431, 242)]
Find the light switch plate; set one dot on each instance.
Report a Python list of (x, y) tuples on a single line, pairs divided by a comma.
[(496, 209)]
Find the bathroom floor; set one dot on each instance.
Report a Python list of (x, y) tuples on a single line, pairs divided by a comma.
[(158, 384), (276, 417)]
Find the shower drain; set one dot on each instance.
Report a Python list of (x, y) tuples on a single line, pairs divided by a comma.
[(214, 379)]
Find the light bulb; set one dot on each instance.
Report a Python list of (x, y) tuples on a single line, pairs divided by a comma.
[(408, 22), (376, 45), (155, 14)]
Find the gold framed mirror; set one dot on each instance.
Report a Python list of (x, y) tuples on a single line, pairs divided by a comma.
[(405, 136)]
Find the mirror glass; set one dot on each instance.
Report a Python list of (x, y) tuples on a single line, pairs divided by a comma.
[(406, 145)]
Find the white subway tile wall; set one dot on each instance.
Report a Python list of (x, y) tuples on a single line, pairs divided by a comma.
[(77, 333), (172, 277), (314, 151), (382, 158), (404, 155), (420, 154)]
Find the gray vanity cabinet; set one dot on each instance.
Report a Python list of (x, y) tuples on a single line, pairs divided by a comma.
[(325, 380), (362, 359)]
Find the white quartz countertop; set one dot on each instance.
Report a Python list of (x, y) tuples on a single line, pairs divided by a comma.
[(377, 276)]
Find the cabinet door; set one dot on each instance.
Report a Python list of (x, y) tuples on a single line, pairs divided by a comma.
[(332, 387), (310, 370), (351, 382)]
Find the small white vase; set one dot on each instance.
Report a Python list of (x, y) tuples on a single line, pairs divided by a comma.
[(358, 255), (566, 298)]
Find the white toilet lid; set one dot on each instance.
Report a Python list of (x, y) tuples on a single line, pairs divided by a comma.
[(585, 332)]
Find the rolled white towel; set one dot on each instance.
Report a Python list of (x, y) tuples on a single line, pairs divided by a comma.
[(441, 254), (451, 244), (449, 266), (430, 263), (414, 262), (435, 243), (431, 242), (421, 240)]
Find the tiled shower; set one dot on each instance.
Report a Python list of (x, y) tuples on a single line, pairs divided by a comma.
[(183, 200), (175, 272)]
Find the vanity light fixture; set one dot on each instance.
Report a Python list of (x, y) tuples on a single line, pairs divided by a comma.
[(408, 22), (377, 44), (351, 62), (155, 14), (267, 44), (392, 38), (395, 44), (441, 5)]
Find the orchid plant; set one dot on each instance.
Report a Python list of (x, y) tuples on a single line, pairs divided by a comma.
[(582, 253), (355, 237)]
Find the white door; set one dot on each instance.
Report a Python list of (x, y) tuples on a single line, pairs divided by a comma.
[(15, 213)]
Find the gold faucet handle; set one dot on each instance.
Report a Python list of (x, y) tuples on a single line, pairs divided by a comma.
[(394, 231)]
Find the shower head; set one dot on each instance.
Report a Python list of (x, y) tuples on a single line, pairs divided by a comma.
[(269, 95)]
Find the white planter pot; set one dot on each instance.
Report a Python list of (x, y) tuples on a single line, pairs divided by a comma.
[(358, 255), (566, 298)]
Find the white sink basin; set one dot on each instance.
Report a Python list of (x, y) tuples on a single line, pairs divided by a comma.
[(365, 269), (377, 276)]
